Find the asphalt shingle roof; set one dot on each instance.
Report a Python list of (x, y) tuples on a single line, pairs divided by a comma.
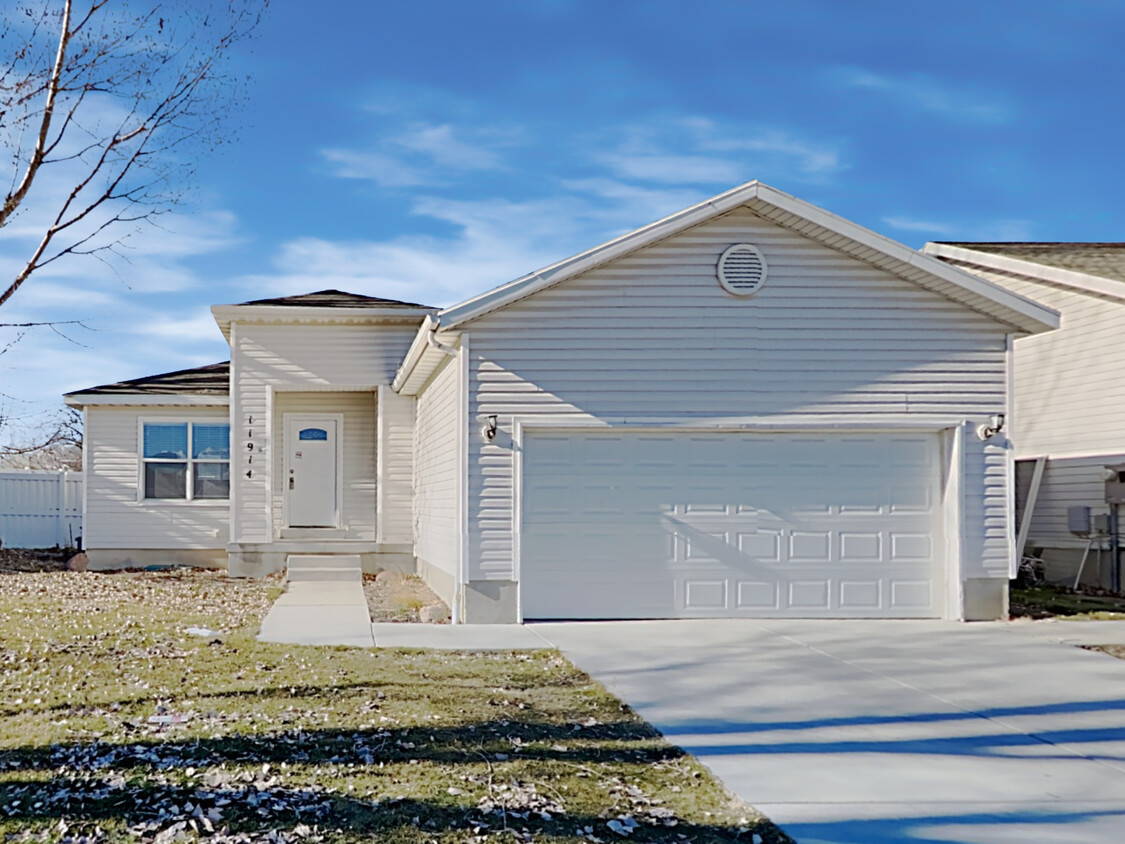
[(211, 380), (1101, 259), (334, 299)]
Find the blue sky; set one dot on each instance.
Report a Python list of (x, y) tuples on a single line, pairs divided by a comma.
[(430, 150)]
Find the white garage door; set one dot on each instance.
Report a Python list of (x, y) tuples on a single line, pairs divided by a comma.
[(666, 525)]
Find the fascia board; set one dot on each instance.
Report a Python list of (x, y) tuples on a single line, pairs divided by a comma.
[(281, 314), (141, 400), (1083, 282), (300, 313)]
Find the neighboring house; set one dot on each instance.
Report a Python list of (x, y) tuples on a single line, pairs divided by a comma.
[(1069, 413), (751, 407)]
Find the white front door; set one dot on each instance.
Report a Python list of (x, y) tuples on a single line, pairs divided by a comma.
[(310, 471)]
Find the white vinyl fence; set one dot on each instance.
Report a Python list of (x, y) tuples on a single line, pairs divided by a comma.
[(40, 509)]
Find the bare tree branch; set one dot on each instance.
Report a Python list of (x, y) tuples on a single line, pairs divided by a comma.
[(12, 202), (129, 95)]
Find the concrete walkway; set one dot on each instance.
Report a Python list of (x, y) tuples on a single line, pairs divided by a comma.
[(861, 732), (334, 611), (315, 612), (459, 637)]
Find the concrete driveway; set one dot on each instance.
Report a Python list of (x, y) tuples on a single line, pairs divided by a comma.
[(867, 732)]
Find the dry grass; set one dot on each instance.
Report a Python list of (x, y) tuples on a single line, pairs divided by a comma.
[(398, 597), (116, 724)]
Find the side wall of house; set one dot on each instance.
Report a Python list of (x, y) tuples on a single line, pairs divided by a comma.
[(828, 340), (121, 530), (437, 484), (1069, 402), (1069, 394), (293, 358)]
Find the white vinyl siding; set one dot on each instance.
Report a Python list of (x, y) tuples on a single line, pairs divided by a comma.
[(1068, 403), (115, 518), (1069, 394), (1069, 482), (395, 446), (357, 507), (653, 337), (437, 473), (300, 357)]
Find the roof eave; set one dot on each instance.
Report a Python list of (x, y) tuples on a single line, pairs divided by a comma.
[(226, 314), (81, 399), (422, 358)]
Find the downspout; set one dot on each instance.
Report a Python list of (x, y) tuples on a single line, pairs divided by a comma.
[(434, 343)]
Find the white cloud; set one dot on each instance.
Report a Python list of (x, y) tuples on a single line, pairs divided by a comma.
[(700, 151), (200, 326), (924, 92), (420, 154), (909, 224), (493, 241), (446, 150), (385, 170), (993, 230), (675, 169)]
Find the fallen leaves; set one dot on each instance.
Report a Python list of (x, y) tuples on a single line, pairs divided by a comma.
[(118, 724)]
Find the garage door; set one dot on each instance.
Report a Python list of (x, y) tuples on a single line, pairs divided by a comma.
[(667, 525)]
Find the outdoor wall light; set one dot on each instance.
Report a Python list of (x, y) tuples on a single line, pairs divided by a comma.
[(488, 429), (993, 427)]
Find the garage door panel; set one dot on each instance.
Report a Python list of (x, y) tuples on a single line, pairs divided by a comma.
[(651, 525), (860, 594)]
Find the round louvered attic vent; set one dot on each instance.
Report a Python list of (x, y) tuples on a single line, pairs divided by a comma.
[(742, 269)]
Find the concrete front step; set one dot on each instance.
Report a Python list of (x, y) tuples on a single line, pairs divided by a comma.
[(325, 567), (325, 574)]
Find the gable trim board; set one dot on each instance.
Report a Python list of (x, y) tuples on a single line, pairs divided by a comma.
[(855, 342)]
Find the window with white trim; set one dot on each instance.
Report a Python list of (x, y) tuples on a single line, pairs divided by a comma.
[(186, 461)]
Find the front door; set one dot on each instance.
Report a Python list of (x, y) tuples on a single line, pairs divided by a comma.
[(310, 471)]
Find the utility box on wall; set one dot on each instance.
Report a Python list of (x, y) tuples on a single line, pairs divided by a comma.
[(1078, 520), (1114, 483)]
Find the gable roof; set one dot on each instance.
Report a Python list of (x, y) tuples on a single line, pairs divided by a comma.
[(1097, 268), (333, 299), (210, 383), (1021, 313)]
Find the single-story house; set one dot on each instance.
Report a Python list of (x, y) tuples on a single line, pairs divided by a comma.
[(752, 407), (1069, 395)]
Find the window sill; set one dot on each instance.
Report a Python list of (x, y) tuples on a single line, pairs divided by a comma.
[(183, 502)]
